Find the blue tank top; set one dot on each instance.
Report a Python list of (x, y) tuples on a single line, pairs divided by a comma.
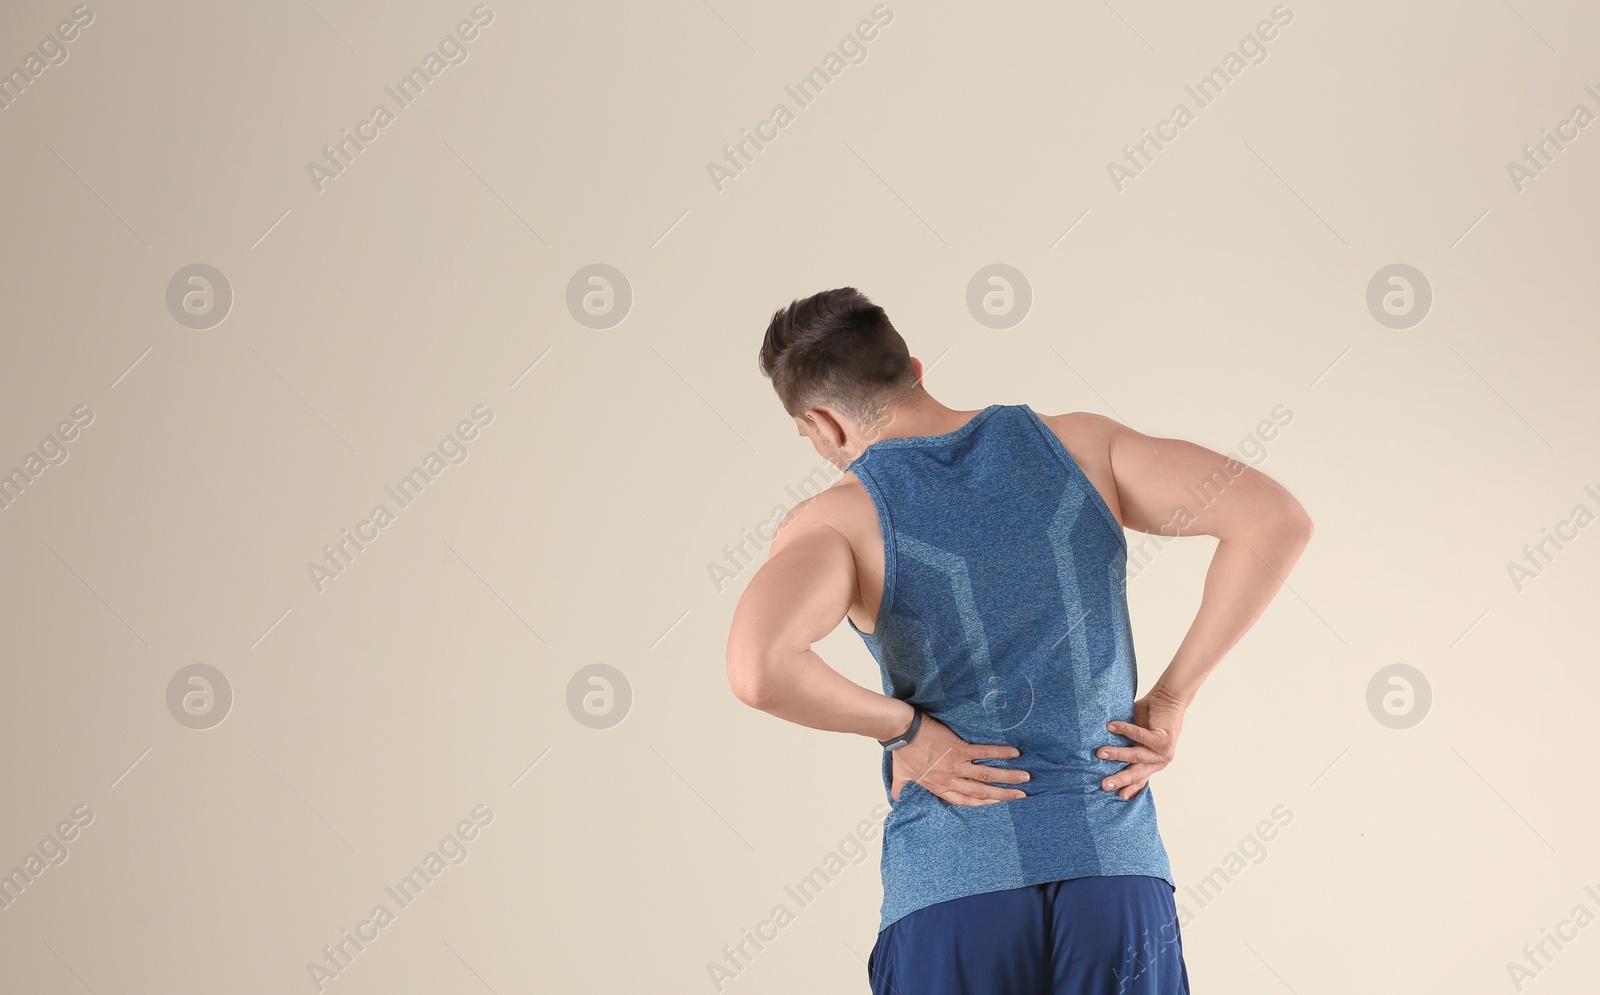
[(1005, 616)]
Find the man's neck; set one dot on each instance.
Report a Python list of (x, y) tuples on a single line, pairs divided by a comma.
[(922, 417)]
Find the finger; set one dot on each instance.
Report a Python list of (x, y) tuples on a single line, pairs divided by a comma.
[(1133, 789), (975, 750), (1160, 741), (1130, 754), (993, 775), (1139, 734), (1130, 774), (978, 789)]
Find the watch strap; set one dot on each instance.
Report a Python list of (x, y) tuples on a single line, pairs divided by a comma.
[(905, 737)]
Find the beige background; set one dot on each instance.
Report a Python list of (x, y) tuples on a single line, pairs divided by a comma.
[(369, 719)]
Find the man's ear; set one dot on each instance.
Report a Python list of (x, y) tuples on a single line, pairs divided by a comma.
[(828, 426)]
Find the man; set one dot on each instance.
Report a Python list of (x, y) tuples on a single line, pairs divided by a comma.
[(980, 556)]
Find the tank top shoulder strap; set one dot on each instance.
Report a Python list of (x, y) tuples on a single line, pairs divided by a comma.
[(1052, 442)]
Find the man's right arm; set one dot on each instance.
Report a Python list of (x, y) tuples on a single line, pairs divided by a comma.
[(1259, 526)]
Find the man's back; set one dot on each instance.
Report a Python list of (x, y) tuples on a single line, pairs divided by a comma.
[(848, 508), (993, 597)]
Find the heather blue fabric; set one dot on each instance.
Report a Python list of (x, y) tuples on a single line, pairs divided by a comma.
[(1005, 616), (1086, 936)]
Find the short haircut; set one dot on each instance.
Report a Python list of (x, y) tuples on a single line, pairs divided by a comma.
[(839, 349)]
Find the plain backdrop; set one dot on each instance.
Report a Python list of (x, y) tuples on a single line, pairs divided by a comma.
[(442, 670)]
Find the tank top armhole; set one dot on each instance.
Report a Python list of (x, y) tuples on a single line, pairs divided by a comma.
[(886, 529), (1076, 472)]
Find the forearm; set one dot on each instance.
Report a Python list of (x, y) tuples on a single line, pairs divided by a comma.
[(1244, 576), (801, 688)]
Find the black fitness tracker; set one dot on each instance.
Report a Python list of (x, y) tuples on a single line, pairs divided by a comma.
[(905, 737)]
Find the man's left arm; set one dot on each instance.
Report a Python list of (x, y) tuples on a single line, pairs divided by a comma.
[(798, 596)]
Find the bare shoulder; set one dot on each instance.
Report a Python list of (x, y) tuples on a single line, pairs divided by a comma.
[(1085, 432), (842, 507)]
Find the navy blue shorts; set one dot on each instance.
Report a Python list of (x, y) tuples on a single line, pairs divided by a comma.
[(1114, 935)]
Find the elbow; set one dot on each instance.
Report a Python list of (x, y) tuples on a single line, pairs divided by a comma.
[(1295, 525), (751, 657), (747, 678), (750, 691)]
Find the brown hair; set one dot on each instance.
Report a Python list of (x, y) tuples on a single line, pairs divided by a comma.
[(840, 349)]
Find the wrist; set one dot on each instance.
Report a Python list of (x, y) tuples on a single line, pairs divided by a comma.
[(1177, 697), (902, 715)]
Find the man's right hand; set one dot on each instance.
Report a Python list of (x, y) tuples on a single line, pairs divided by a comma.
[(941, 762)]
